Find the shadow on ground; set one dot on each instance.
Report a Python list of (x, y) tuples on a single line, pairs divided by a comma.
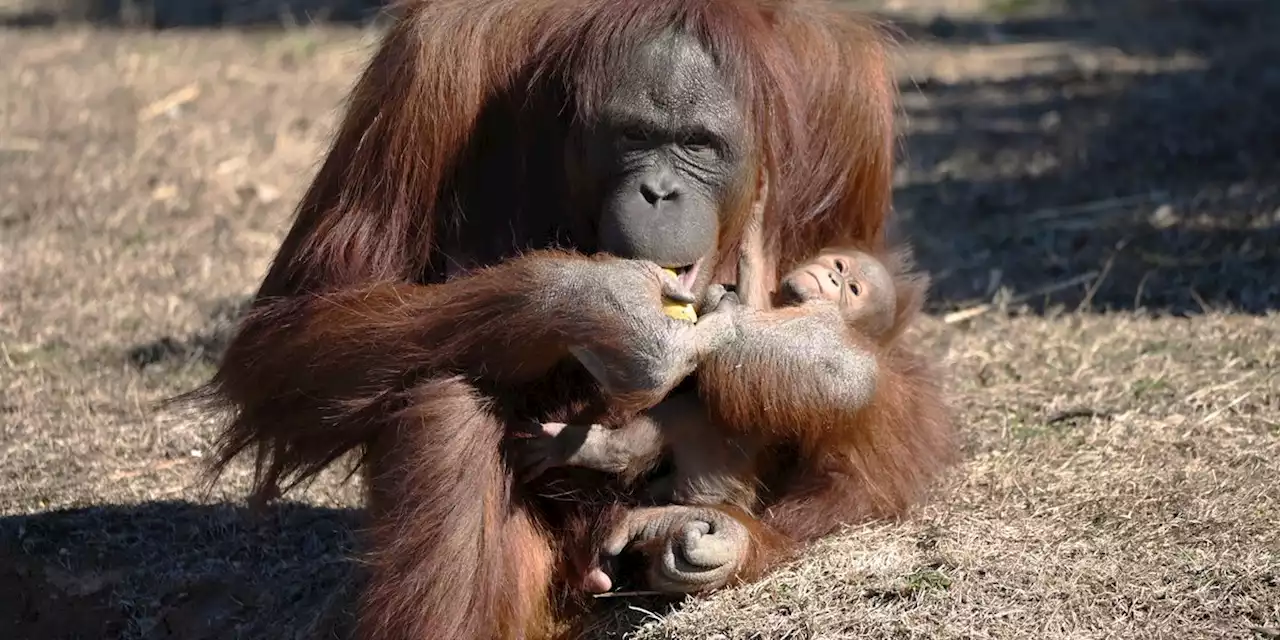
[(176, 570), (1150, 187), (168, 14), (205, 347), (192, 571)]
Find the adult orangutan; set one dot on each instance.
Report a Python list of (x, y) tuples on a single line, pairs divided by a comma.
[(411, 315)]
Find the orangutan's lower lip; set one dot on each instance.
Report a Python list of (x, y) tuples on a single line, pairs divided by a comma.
[(688, 274)]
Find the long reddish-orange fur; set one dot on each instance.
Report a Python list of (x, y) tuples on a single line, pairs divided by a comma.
[(358, 342)]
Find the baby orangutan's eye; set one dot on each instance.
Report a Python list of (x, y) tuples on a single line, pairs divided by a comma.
[(854, 288)]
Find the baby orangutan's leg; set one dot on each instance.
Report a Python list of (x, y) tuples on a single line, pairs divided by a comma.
[(710, 466), (687, 549), (628, 451)]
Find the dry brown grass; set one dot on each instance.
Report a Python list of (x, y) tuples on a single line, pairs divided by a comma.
[(1120, 477)]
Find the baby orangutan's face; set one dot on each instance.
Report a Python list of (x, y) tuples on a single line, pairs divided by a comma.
[(859, 283)]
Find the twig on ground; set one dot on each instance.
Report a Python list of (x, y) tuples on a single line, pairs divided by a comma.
[(964, 314), (1142, 285), (172, 100), (648, 614), (977, 310), (626, 594), (1230, 405), (1097, 284), (1095, 206), (1197, 394), (1195, 295), (1055, 287)]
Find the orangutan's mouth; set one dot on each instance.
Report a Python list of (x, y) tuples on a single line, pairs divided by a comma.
[(688, 274)]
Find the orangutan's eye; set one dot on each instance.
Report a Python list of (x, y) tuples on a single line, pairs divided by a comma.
[(854, 288), (635, 134), (698, 142)]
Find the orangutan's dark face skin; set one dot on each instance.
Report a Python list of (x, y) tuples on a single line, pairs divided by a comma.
[(667, 156)]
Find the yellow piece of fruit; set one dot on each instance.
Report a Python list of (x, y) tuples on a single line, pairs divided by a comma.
[(679, 310)]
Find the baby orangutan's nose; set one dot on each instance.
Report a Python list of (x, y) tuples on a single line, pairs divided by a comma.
[(835, 280)]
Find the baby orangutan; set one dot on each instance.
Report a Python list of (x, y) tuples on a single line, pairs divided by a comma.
[(842, 287)]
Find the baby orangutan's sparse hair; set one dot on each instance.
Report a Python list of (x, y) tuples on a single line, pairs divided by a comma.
[(851, 304)]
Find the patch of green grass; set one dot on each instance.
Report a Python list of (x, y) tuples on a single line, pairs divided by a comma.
[(1023, 427), (1147, 388), (138, 238), (928, 580), (1152, 348), (912, 586)]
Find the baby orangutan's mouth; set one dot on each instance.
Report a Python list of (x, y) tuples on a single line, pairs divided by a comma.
[(792, 293)]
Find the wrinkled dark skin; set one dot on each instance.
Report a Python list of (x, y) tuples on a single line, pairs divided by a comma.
[(668, 153), (657, 351)]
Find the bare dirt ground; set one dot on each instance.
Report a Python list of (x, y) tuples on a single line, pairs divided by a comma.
[(1096, 188)]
